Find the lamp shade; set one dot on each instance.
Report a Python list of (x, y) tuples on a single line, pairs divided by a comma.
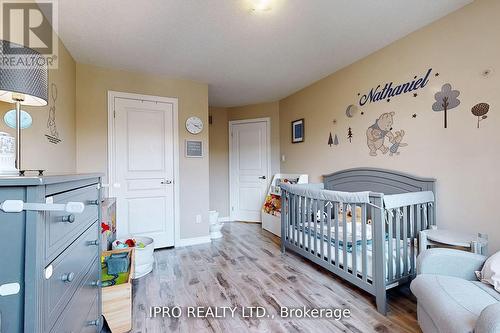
[(29, 80)]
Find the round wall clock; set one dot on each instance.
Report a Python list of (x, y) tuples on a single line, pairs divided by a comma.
[(194, 125)]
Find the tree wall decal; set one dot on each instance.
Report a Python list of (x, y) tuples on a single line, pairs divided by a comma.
[(480, 110), (336, 140), (330, 140), (446, 99), (349, 134)]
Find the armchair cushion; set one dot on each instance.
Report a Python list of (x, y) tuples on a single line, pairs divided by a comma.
[(463, 300), (450, 262), (488, 321)]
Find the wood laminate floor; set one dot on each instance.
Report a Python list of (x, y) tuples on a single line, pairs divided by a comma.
[(246, 268)]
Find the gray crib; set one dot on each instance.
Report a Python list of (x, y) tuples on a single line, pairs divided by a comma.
[(360, 224)]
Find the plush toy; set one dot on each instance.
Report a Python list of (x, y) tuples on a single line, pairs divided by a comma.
[(130, 242)]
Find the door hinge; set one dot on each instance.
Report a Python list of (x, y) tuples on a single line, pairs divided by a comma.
[(114, 113), (231, 134), (232, 208)]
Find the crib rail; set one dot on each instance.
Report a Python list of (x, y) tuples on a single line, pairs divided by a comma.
[(372, 247)]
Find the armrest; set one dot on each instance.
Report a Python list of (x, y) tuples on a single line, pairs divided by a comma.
[(489, 319), (450, 262)]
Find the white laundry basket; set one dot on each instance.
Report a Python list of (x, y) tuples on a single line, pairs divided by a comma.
[(144, 258)]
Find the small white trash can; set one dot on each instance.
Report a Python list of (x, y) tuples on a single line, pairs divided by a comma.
[(144, 258)]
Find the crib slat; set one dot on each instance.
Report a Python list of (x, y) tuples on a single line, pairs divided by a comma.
[(364, 264), (336, 214), (398, 243), (413, 235), (405, 240), (344, 236), (390, 252), (301, 221), (315, 237), (354, 241), (305, 223), (425, 215), (430, 213), (309, 231), (419, 217), (374, 217), (328, 209), (321, 228), (285, 210), (296, 209)]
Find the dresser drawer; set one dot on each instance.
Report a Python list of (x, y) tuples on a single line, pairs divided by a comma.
[(63, 228), (81, 315), (68, 271)]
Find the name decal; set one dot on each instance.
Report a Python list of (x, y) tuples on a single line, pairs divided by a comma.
[(378, 94)]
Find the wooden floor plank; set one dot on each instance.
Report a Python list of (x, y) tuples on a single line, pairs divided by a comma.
[(246, 268)]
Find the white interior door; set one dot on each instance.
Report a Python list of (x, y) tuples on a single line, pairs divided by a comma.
[(144, 169), (249, 155)]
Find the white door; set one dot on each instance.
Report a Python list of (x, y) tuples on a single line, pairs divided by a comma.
[(249, 155), (144, 169)]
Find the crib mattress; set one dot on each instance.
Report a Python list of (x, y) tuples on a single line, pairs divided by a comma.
[(359, 264)]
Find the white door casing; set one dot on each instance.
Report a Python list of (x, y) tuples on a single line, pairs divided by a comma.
[(143, 167), (249, 167)]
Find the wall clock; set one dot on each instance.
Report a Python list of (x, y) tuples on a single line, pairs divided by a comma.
[(194, 125)]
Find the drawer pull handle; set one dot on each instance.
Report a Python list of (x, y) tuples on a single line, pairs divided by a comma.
[(93, 242), (70, 218), (96, 283), (94, 322), (68, 277), (93, 202)]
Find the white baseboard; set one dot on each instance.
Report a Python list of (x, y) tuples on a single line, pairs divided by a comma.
[(224, 219), (193, 241)]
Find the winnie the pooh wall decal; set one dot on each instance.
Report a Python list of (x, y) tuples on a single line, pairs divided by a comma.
[(480, 110), (381, 130), (446, 99), (396, 143), (53, 135)]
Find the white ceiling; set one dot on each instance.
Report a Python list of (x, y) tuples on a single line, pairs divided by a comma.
[(244, 57)]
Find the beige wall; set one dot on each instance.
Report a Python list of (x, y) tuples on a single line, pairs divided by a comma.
[(219, 145), (93, 83), (219, 161), (37, 152), (464, 160)]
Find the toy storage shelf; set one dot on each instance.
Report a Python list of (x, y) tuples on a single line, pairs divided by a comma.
[(271, 215)]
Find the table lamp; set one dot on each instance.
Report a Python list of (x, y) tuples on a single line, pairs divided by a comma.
[(21, 83)]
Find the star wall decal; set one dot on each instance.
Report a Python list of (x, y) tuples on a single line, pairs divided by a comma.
[(388, 100), (436, 75), (414, 115), (415, 95)]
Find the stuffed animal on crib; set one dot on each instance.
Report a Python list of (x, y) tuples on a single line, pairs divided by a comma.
[(376, 133), (396, 143)]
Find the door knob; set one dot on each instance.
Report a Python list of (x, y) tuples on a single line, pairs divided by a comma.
[(262, 177), (168, 182)]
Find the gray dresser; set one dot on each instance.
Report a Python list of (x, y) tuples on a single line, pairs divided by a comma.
[(51, 257)]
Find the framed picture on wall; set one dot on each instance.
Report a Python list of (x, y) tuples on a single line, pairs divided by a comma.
[(298, 130)]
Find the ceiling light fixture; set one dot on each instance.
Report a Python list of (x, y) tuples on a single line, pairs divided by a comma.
[(261, 5)]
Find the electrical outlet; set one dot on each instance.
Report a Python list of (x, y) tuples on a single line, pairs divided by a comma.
[(198, 219)]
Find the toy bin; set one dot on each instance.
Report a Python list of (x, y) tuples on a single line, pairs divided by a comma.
[(144, 258), (117, 293)]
